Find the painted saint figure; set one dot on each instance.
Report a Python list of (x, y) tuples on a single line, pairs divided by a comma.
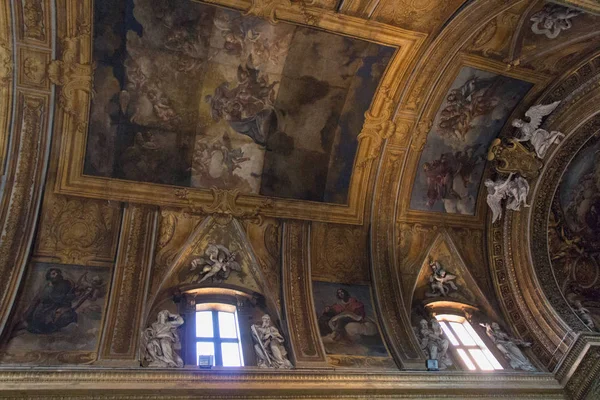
[(346, 319), (268, 345), (55, 307), (160, 341)]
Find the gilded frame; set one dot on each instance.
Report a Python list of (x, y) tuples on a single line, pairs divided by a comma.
[(74, 117)]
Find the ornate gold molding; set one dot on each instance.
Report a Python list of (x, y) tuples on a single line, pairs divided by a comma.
[(297, 296), (72, 75), (6, 80), (389, 296), (259, 384), (21, 195), (130, 285)]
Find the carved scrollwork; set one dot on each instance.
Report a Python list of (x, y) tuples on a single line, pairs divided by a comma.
[(6, 64), (512, 157), (33, 20), (266, 9), (71, 75), (224, 206), (378, 127)]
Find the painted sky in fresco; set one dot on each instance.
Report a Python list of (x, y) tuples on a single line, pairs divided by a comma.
[(193, 95), (472, 114)]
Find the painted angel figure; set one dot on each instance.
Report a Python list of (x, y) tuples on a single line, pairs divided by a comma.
[(514, 190), (540, 139), (218, 263)]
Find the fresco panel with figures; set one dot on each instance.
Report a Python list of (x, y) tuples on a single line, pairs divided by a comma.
[(473, 112), (192, 95)]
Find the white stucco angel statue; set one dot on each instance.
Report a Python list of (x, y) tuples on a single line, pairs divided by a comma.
[(540, 139), (552, 19), (515, 189), (217, 263)]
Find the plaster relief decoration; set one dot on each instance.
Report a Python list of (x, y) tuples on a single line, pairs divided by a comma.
[(216, 264), (268, 345), (160, 342), (552, 20), (474, 110), (513, 189), (193, 95), (442, 276), (433, 342), (509, 347), (347, 322), (440, 281), (59, 315), (540, 139), (574, 232)]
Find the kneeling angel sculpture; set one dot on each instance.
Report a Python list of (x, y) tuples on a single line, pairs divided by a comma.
[(515, 189), (268, 345)]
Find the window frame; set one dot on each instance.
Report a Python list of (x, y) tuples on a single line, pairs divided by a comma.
[(480, 343), (216, 339)]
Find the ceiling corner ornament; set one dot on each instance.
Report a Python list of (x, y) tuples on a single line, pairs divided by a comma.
[(71, 75), (33, 19), (420, 139), (552, 20), (510, 156), (225, 206), (6, 65), (266, 9), (378, 126)]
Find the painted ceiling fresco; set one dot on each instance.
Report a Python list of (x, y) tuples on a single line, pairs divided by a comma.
[(473, 112), (193, 95), (574, 232)]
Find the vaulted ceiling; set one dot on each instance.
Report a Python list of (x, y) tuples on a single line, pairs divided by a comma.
[(329, 143)]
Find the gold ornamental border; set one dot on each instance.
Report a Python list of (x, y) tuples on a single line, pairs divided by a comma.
[(73, 75), (256, 383)]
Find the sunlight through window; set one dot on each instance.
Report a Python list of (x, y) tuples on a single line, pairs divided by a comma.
[(218, 334), (469, 345)]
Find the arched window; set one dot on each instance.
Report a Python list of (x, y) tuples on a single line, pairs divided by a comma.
[(467, 344), (217, 334)]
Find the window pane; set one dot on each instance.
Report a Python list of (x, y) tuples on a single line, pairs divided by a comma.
[(462, 334), (204, 324), (227, 327), (448, 333), (473, 334), (205, 349), (466, 359), (231, 355), (481, 360), (492, 359)]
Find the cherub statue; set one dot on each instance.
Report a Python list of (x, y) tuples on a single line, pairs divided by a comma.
[(552, 19), (540, 139), (218, 263), (514, 190), (441, 282)]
